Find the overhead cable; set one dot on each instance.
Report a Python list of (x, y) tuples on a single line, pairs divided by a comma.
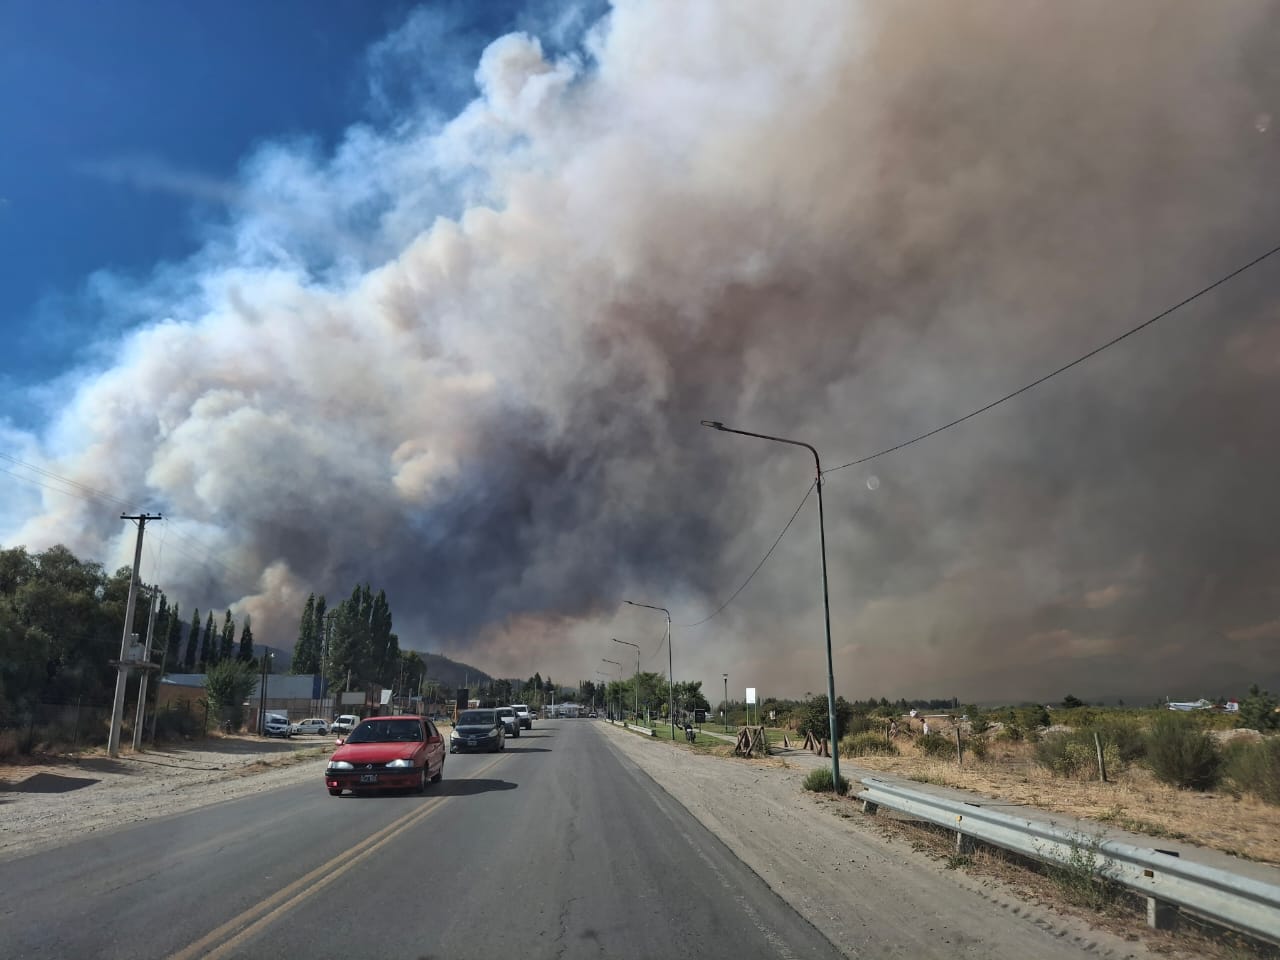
[(1066, 366)]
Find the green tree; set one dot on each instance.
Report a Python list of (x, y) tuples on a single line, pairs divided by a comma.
[(173, 639), (1258, 710), (1071, 702), (246, 641), (813, 718), (209, 642), (228, 639), (306, 651), (192, 657), (229, 683)]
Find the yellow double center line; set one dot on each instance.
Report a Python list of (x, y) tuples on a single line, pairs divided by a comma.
[(249, 923)]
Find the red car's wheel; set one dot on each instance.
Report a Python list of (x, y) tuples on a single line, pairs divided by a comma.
[(439, 773), (421, 786)]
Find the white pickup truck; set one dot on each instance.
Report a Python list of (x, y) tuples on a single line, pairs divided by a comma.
[(523, 715), (344, 724)]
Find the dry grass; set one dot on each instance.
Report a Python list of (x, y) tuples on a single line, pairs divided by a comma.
[(1135, 801), (1118, 912)]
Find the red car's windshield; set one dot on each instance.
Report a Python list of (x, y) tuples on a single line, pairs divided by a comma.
[(386, 731)]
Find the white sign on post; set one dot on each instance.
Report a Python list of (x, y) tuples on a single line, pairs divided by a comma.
[(751, 696)]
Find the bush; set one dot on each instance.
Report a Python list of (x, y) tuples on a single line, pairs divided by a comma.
[(1121, 732), (867, 744), (1181, 754), (1075, 755), (820, 781), (975, 747), (1255, 768), (937, 746), (812, 717)]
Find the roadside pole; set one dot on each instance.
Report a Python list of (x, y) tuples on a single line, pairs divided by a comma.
[(142, 682), (122, 666)]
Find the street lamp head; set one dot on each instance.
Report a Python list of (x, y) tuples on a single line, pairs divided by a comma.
[(713, 424)]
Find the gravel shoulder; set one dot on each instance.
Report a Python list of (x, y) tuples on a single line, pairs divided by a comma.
[(48, 804), (849, 878)]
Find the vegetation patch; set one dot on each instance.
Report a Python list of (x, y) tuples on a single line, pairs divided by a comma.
[(867, 744), (1181, 754), (1254, 768), (821, 781)]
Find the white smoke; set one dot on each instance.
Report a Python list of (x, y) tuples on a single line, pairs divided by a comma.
[(466, 359)]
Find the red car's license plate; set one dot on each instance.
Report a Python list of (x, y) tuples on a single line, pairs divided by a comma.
[(368, 778)]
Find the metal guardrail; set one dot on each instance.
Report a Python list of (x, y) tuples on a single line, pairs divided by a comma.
[(1245, 903)]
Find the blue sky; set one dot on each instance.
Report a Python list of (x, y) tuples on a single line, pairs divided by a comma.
[(104, 102)]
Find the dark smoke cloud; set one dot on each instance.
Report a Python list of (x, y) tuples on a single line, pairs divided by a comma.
[(467, 362)]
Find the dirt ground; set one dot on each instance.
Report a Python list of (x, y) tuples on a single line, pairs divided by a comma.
[(52, 801)]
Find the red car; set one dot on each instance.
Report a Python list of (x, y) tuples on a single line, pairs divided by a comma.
[(387, 753)]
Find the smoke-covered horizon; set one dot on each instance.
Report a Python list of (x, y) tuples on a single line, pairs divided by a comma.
[(466, 359)]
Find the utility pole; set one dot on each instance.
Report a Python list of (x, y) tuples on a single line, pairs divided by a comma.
[(122, 665), (142, 682)]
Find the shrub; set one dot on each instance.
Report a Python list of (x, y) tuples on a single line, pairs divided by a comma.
[(812, 718), (820, 781), (1255, 768), (1181, 754), (975, 747), (1121, 732), (867, 744), (1010, 733), (1075, 755), (937, 746)]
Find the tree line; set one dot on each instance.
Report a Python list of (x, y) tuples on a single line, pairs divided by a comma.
[(61, 620)]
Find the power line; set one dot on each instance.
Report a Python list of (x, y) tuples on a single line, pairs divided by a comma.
[(733, 596), (1066, 366), (94, 492), (82, 491)]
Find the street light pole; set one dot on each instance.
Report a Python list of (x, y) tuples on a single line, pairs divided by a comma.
[(726, 703), (671, 673), (826, 602), (637, 646), (619, 666)]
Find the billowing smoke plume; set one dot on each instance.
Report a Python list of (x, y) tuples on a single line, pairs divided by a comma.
[(467, 360)]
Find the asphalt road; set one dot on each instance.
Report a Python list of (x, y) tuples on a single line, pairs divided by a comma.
[(554, 848)]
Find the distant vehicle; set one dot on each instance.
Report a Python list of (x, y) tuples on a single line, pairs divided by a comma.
[(478, 730), (510, 720), (277, 725), (387, 753), (593, 715), (311, 725), (522, 712), (344, 724)]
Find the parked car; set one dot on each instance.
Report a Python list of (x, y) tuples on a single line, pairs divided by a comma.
[(478, 730), (523, 714), (344, 724), (277, 725), (510, 721), (311, 725), (387, 753)]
